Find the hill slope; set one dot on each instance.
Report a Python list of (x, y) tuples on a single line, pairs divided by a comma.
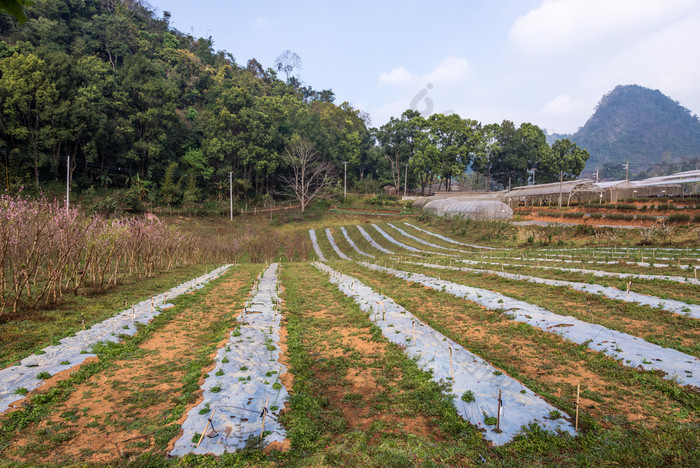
[(639, 125)]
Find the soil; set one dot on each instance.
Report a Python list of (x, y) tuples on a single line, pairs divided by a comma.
[(353, 387), (540, 213), (542, 361), (112, 415)]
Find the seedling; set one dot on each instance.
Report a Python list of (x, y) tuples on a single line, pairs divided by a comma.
[(43, 375), (468, 396)]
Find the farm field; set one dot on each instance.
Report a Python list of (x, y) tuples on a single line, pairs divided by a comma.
[(352, 339)]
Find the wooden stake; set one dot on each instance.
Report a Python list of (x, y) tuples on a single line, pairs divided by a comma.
[(133, 314), (629, 285), (452, 374), (264, 412), (125, 304), (578, 393), (414, 331), (498, 414), (205, 428), (83, 318), (152, 300)]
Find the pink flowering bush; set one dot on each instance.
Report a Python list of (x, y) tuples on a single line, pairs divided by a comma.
[(47, 251)]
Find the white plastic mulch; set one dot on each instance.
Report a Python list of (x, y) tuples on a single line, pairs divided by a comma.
[(73, 350), (451, 241), (609, 262), (676, 307), (404, 246), (245, 378), (371, 241), (599, 273), (334, 245), (317, 248), (353, 245), (630, 350), (431, 350), (422, 241)]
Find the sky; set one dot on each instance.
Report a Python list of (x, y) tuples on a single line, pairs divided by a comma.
[(548, 62)]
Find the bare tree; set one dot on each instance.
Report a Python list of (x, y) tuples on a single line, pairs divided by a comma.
[(309, 174), (287, 62)]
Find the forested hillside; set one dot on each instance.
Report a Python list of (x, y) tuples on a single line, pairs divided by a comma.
[(134, 102), (642, 126), (160, 117)]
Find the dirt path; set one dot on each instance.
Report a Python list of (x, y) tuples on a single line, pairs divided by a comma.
[(544, 362), (120, 413)]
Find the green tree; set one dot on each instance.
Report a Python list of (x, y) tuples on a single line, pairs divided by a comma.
[(27, 97), (15, 8), (457, 141), (565, 158)]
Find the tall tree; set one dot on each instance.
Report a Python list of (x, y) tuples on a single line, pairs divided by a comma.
[(484, 158), (287, 62), (566, 159), (309, 174), (27, 97)]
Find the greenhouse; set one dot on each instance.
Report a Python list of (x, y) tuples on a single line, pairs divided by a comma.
[(470, 208)]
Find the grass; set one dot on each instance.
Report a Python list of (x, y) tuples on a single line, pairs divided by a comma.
[(134, 414), (616, 395), (326, 364), (679, 332), (27, 334)]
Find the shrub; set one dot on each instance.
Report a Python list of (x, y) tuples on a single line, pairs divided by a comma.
[(678, 218)]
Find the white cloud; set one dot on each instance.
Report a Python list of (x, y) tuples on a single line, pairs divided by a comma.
[(449, 70), (564, 104), (261, 22), (396, 76), (566, 25)]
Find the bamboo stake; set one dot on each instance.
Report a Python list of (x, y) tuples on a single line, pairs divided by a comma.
[(578, 393), (205, 428), (452, 374), (264, 412), (498, 414), (629, 285), (151, 304)]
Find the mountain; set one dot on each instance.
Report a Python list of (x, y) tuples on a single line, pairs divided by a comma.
[(643, 126)]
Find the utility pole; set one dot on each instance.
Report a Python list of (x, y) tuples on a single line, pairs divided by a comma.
[(561, 182), (345, 179), (230, 193), (533, 175), (509, 198), (405, 181), (7, 174), (627, 168), (68, 184), (596, 176)]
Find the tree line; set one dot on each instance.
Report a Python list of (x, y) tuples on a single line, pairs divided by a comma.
[(163, 116)]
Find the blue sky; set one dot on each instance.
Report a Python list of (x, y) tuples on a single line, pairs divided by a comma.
[(542, 61)]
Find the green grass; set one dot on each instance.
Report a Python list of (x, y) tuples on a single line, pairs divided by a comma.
[(652, 324), (507, 345), (24, 335), (163, 426)]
